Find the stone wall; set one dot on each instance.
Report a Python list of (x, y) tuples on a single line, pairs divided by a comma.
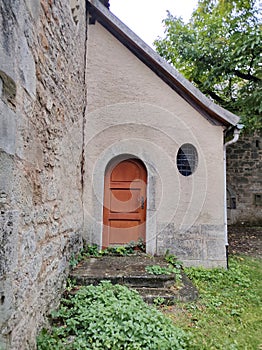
[(244, 179), (42, 106)]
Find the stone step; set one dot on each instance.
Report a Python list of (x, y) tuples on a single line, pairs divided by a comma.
[(128, 270), (150, 281), (184, 291), (131, 272), (160, 296)]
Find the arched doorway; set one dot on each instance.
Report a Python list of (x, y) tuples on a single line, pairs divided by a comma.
[(124, 211)]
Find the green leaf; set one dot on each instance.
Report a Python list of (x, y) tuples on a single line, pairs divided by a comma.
[(220, 51)]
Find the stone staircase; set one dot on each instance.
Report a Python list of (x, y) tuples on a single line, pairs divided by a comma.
[(131, 272)]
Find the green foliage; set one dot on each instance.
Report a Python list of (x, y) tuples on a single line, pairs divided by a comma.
[(228, 313), (70, 284), (85, 252), (140, 245), (174, 267), (159, 301), (92, 250), (110, 317), (127, 249), (118, 250), (160, 270), (73, 261), (76, 258), (172, 259), (164, 270), (219, 50)]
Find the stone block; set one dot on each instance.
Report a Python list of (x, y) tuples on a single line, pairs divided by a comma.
[(34, 8), (216, 250), (1, 87), (6, 300), (41, 232), (28, 244), (6, 180), (184, 249), (212, 231), (42, 215), (8, 242), (7, 129)]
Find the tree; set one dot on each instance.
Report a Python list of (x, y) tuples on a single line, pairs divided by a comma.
[(219, 51)]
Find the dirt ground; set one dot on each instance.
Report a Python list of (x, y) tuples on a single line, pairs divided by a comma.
[(245, 240)]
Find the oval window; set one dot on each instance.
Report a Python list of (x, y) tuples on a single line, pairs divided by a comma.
[(186, 159)]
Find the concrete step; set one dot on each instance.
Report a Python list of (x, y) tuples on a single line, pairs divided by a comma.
[(131, 271), (183, 291), (158, 296), (150, 281)]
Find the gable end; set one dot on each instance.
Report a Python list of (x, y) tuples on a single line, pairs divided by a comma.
[(209, 110)]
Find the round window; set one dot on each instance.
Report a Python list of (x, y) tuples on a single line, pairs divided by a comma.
[(187, 159)]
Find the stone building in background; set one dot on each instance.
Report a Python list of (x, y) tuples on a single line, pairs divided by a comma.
[(244, 180)]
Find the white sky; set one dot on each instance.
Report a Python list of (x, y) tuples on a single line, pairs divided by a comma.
[(145, 17)]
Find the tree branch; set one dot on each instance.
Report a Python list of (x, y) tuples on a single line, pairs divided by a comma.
[(217, 98), (247, 76), (251, 63), (211, 93)]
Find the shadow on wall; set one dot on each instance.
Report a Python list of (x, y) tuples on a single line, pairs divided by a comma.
[(7, 88)]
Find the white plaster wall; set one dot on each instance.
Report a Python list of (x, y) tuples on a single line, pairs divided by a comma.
[(132, 111)]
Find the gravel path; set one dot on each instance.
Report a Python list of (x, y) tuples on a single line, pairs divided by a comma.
[(245, 240)]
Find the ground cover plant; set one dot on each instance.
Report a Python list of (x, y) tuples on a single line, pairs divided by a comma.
[(228, 313), (174, 267), (92, 250), (110, 317)]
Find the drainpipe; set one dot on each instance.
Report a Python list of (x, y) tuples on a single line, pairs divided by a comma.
[(236, 134)]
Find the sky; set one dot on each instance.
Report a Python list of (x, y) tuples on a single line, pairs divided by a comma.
[(145, 19)]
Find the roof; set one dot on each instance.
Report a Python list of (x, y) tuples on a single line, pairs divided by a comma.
[(207, 108)]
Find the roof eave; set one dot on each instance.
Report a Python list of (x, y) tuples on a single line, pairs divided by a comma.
[(208, 109)]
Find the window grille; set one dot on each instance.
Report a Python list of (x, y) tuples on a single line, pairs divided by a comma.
[(187, 159)]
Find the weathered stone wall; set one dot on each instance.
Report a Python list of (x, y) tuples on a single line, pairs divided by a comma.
[(244, 179), (42, 106)]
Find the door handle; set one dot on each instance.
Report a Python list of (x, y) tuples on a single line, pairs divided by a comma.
[(142, 202)]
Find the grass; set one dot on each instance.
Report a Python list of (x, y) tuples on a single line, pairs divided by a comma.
[(228, 313)]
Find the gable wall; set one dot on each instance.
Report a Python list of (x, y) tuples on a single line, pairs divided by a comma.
[(132, 111)]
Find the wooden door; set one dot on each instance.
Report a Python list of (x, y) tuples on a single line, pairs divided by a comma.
[(124, 213)]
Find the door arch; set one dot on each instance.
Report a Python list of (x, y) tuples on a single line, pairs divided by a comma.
[(124, 208)]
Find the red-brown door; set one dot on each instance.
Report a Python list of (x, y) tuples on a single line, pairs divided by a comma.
[(124, 203)]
